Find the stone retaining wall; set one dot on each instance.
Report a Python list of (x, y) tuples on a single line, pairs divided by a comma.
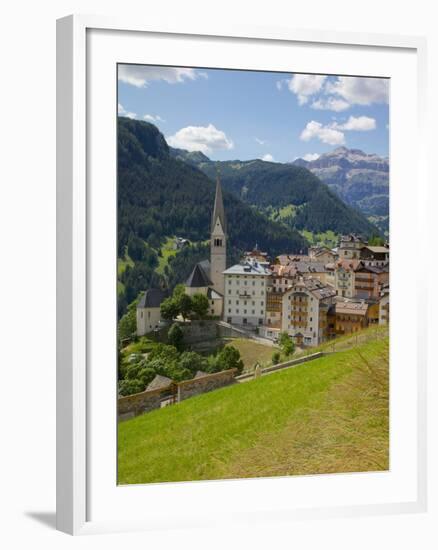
[(286, 364), (138, 403), (199, 331), (209, 382)]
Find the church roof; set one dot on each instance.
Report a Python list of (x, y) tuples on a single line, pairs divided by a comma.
[(218, 211), (152, 298), (198, 277)]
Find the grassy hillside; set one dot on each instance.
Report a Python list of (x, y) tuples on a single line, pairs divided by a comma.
[(330, 415)]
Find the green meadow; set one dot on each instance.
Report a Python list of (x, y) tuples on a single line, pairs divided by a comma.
[(328, 415)]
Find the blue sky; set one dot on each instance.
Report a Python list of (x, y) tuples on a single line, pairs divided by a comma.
[(243, 115)]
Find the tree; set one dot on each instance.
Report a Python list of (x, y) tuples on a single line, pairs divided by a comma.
[(128, 387), (229, 358), (184, 304), (169, 309), (175, 336), (128, 323), (286, 344), (200, 306), (192, 361)]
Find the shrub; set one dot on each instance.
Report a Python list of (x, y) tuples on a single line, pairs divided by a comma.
[(229, 358), (175, 336), (128, 387), (275, 357)]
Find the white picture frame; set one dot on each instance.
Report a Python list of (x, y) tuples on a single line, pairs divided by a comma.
[(76, 228)]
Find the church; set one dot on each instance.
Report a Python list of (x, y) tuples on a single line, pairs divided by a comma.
[(207, 276)]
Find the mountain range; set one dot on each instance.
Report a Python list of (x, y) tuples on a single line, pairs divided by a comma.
[(287, 192), (358, 178)]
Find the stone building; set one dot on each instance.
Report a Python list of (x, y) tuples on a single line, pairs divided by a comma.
[(207, 276), (218, 242)]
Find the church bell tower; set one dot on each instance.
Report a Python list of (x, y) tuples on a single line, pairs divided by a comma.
[(218, 243)]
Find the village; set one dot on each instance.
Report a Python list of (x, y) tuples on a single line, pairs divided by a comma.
[(313, 297)]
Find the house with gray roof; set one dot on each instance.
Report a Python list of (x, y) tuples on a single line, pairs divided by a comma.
[(148, 310)]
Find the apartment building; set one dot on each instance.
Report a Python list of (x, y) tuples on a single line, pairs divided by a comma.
[(245, 293), (305, 308)]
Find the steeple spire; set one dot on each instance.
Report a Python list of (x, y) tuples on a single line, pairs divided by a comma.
[(218, 211)]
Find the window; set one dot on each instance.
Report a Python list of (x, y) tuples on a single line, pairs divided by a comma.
[(245, 312), (260, 321), (229, 310), (217, 242), (141, 315), (237, 302)]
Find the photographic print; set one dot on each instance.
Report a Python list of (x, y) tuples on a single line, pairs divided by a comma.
[(252, 274)]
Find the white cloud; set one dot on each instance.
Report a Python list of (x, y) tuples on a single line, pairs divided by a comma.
[(123, 112), (330, 104), (328, 135), (360, 90), (260, 141), (268, 157), (305, 85), (153, 118), (141, 75), (200, 138), (358, 124), (310, 156)]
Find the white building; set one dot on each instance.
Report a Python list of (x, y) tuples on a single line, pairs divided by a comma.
[(304, 312), (245, 293), (148, 310)]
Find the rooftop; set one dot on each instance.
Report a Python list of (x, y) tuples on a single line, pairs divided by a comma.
[(352, 308), (318, 289), (248, 268), (199, 277), (159, 382), (152, 298)]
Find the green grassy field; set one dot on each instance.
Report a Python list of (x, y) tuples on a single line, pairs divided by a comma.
[(328, 238), (167, 251), (252, 352), (329, 415)]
